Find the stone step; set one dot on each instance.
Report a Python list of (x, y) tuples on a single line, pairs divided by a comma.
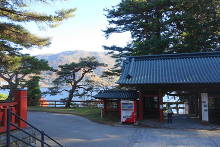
[(21, 135)]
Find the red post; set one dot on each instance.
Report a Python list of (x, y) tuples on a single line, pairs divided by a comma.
[(141, 113), (105, 107), (160, 98), (5, 119), (1, 117), (21, 99), (135, 110), (119, 108)]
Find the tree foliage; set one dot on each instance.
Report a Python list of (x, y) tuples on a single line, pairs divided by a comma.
[(15, 15), (16, 69), (165, 26), (34, 92), (70, 77), (13, 35)]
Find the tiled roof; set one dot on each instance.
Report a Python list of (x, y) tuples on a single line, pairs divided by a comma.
[(117, 94), (190, 68)]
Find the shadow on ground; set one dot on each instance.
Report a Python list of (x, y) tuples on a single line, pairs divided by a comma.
[(180, 122)]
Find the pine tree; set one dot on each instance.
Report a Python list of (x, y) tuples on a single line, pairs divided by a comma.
[(16, 69), (34, 92), (70, 77), (13, 35), (14, 66), (196, 25), (164, 26)]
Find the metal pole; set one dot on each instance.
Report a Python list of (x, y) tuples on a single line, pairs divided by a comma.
[(8, 126), (42, 138)]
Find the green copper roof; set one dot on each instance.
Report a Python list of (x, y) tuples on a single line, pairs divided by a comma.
[(116, 94), (191, 68)]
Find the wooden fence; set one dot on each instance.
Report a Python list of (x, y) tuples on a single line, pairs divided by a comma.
[(61, 103), (91, 103)]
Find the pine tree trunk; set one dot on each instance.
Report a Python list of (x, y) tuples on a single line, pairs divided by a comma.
[(68, 102), (11, 92), (70, 97)]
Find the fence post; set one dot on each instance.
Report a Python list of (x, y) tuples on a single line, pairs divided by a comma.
[(21, 99), (42, 138), (8, 126)]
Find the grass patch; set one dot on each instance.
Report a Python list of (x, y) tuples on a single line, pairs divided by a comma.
[(91, 113), (3, 97)]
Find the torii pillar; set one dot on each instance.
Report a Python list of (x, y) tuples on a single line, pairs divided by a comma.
[(21, 98)]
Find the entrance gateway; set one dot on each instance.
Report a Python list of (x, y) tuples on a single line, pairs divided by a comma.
[(194, 77)]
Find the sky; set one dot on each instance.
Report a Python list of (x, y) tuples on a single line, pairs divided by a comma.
[(82, 32)]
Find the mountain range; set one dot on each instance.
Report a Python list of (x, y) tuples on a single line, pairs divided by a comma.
[(66, 57), (73, 56)]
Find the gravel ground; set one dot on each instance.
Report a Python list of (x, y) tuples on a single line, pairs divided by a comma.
[(75, 131)]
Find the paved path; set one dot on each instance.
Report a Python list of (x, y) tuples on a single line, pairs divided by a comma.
[(181, 122), (75, 131)]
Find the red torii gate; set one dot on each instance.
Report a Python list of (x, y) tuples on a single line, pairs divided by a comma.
[(18, 106)]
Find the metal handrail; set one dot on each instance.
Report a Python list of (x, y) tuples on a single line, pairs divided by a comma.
[(27, 133), (9, 124), (36, 129)]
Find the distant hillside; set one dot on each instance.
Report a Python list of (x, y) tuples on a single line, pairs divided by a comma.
[(55, 60), (73, 56)]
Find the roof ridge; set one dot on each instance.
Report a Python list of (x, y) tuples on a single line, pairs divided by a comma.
[(179, 55)]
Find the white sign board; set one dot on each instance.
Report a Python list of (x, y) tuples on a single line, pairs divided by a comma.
[(205, 108)]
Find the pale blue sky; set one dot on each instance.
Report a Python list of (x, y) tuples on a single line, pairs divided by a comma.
[(82, 32)]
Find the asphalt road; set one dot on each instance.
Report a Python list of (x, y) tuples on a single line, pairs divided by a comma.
[(75, 131)]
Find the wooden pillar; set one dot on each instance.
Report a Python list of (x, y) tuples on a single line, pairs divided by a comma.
[(160, 98), (186, 104), (200, 107), (21, 108), (135, 110), (205, 109), (119, 108), (4, 120), (141, 111), (1, 116), (105, 107), (177, 108)]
